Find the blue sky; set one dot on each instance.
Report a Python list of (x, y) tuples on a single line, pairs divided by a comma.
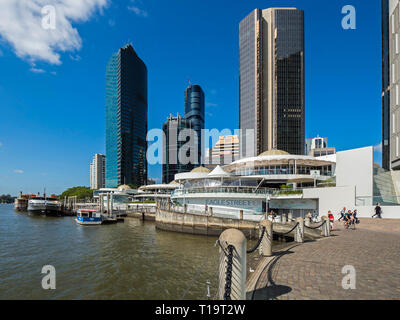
[(52, 101)]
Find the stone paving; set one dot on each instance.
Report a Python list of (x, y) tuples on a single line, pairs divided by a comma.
[(313, 270)]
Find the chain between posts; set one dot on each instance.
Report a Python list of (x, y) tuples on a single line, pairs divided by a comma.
[(313, 228), (283, 234), (258, 242)]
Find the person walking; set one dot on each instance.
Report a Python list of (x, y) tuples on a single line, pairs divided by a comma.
[(378, 211), (347, 219), (342, 213), (331, 219)]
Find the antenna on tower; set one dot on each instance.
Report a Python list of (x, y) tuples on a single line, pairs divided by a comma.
[(189, 82)]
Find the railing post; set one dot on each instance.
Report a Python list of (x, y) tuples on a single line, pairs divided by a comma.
[(326, 230), (284, 219), (241, 215), (185, 208), (266, 242), (237, 239), (169, 206), (299, 231), (290, 216), (211, 211)]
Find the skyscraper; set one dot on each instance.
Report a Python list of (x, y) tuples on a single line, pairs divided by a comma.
[(391, 84), (385, 86), (194, 112), (126, 119), (172, 146), (98, 172), (271, 81)]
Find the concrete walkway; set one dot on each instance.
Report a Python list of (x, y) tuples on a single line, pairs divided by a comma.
[(313, 270)]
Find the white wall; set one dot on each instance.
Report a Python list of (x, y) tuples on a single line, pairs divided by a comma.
[(333, 199), (355, 168), (388, 212)]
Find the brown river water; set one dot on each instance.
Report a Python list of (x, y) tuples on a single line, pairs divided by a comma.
[(130, 260)]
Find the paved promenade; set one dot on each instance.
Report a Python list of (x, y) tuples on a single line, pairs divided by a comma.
[(313, 270)]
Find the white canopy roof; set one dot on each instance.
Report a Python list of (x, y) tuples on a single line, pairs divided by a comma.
[(218, 172)]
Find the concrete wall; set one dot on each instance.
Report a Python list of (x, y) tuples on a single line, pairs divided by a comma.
[(387, 212), (333, 199), (396, 182), (203, 225), (355, 168)]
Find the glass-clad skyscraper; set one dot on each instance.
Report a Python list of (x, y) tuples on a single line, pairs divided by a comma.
[(194, 112), (173, 145), (126, 119), (271, 81)]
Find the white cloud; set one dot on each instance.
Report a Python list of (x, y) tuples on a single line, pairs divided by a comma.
[(19, 171), (137, 10), (35, 70), (378, 148), (21, 27)]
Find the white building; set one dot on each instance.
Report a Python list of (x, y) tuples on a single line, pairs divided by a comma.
[(276, 180), (98, 172)]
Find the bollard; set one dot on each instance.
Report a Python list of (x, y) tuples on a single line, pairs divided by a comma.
[(211, 211), (290, 216), (169, 206), (266, 242), (325, 230), (241, 215), (299, 232), (237, 239), (284, 218), (185, 208)]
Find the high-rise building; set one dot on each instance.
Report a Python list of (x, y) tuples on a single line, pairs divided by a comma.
[(126, 119), (173, 145), (391, 84), (385, 87), (194, 112), (98, 172), (271, 81), (225, 151), (318, 147)]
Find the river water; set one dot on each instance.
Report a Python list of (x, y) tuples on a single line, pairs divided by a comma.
[(130, 260)]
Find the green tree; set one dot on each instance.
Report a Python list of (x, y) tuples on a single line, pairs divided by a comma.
[(79, 192)]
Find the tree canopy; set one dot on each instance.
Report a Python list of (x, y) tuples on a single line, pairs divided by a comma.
[(79, 192)]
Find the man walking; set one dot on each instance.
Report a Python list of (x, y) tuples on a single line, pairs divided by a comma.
[(342, 213), (378, 211)]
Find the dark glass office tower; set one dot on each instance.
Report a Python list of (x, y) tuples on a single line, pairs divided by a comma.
[(126, 119), (172, 146), (271, 81), (194, 112), (385, 86)]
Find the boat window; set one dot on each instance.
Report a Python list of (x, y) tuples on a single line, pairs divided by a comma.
[(84, 214)]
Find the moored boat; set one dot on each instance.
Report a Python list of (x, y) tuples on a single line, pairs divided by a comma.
[(44, 206), (88, 217)]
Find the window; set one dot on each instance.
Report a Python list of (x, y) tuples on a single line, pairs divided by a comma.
[(397, 43), (397, 94), (393, 73), (394, 122), (397, 146)]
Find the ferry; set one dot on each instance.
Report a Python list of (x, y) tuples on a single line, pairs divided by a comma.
[(44, 206), (88, 217), (21, 203)]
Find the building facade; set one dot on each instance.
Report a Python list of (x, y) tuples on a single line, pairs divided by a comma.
[(126, 119), (98, 172), (194, 112), (225, 151), (173, 145), (271, 81), (391, 84)]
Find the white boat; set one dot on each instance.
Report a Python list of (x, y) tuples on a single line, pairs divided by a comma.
[(44, 206), (88, 217)]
